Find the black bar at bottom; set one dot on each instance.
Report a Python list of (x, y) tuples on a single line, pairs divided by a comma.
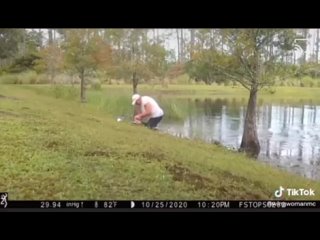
[(68, 204), (109, 204)]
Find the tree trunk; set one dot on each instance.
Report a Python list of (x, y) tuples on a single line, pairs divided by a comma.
[(134, 73), (282, 57), (83, 88), (271, 51), (178, 38), (134, 83), (191, 43), (182, 46), (317, 47), (54, 35), (222, 42), (50, 36), (250, 142), (52, 75), (40, 34), (212, 37), (158, 37), (50, 68), (305, 35), (23, 49)]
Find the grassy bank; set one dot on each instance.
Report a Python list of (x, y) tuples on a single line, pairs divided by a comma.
[(52, 148), (114, 99)]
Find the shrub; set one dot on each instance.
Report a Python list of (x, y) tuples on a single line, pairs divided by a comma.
[(96, 86)]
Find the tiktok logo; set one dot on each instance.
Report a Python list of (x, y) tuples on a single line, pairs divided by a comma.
[(294, 192), (278, 193)]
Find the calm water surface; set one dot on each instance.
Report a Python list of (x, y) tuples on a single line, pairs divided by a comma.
[(289, 134)]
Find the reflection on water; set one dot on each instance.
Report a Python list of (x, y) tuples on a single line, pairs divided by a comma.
[(289, 134)]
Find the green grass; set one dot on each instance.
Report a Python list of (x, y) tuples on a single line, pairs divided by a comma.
[(112, 101), (61, 149), (115, 99)]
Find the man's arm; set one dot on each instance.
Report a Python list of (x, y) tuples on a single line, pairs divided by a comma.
[(146, 113)]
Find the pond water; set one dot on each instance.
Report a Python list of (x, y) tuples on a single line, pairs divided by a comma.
[(289, 134)]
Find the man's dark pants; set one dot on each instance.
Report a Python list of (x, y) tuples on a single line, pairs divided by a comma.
[(153, 122)]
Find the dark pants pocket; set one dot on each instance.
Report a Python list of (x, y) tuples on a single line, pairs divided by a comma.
[(153, 122)]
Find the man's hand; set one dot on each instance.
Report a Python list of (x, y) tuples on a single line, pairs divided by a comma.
[(137, 119), (146, 113)]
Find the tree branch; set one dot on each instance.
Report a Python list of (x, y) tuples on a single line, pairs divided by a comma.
[(264, 83), (245, 85), (246, 65)]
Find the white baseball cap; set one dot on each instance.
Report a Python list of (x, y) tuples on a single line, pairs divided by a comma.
[(135, 97)]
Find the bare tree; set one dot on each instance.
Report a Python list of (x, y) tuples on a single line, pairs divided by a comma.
[(317, 47), (179, 47), (191, 42)]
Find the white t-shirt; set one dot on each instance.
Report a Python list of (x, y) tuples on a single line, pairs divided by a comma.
[(156, 110)]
